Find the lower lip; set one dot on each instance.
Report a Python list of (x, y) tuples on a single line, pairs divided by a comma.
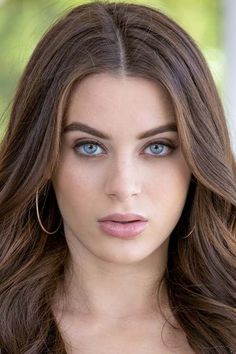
[(123, 230)]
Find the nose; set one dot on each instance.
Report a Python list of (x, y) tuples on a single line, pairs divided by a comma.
[(123, 180)]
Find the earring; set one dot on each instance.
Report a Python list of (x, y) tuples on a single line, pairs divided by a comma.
[(190, 232), (39, 220)]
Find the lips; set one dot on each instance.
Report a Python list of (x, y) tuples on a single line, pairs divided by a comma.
[(123, 218), (123, 229), (123, 225)]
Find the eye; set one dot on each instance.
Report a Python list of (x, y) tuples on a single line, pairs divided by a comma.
[(159, 148), (87, 147), (90, 148)]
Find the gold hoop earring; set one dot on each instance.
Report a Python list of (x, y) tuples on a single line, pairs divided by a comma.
[(39, 220), (190, 232)]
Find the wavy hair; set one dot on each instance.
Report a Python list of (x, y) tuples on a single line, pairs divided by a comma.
[(131, 40)]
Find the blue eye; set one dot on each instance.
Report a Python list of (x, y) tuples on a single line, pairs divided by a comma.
[(159, 147), (89, 148)]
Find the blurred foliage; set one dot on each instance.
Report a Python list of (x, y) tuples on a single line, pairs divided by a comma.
[(22, 23)]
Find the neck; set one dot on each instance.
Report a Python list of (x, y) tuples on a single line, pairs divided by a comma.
[(97, 288)]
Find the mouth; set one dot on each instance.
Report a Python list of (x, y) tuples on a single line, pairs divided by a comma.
[(125, 222), (123, 229), (124, 218)]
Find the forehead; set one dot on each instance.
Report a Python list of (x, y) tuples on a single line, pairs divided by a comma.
[(120, 101)]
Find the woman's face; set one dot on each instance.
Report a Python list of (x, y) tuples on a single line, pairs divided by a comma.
[(98, 176)]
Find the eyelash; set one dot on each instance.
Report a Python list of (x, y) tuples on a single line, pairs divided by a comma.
[(80, 143)]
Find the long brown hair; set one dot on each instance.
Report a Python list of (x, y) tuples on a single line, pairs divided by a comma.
[(123, 39)]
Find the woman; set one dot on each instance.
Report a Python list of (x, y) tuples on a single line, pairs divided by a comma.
[(118, 193)]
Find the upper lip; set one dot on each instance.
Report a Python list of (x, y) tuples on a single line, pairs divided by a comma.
[(123, 217)]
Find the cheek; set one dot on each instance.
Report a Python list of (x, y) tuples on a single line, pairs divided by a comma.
[(75, 188), (170, 184), (167, 194)]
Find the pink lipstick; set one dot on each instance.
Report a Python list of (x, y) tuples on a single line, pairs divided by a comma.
[(123, 225)]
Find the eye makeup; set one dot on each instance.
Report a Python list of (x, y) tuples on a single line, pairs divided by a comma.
[(168, 145)]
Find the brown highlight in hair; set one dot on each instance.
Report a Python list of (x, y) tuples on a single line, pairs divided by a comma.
[(130, 40)]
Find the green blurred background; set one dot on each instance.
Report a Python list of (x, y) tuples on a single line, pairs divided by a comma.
[(22, 23)]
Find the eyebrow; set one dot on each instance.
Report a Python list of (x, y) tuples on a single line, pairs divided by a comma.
[(74, 126)]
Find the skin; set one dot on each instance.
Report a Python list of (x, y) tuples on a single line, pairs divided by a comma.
[(110, 279)]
